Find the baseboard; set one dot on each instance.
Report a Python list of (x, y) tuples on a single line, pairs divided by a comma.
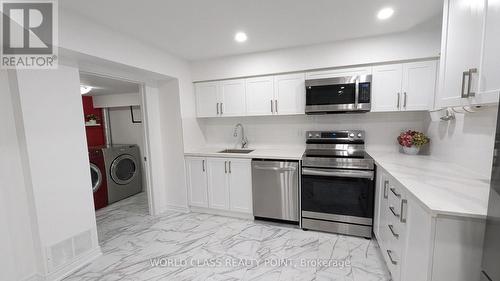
[(221, 213), (177, 208), (75, 265)]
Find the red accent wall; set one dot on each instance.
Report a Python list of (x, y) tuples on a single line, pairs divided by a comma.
[(95, 134)]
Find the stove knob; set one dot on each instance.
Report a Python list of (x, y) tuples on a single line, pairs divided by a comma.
[(351, 135), (359, 135), (310, 135), (317, 136)]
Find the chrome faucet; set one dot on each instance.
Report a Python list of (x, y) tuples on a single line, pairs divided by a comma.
[(244, 140)]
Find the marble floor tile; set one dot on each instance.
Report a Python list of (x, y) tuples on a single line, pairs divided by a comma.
[(194, 246)]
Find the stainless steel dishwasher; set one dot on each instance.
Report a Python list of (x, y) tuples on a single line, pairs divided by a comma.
[(275, 189)]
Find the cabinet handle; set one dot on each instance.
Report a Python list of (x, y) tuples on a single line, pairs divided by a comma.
[(217, 108), (225, 167), (469, 93), (393, 211), (276, 105), (272, 110), (399, 100), (393, 190), (229, 166), (404, 100), (464, 74), (203, 165), (386, 183), (389, 253), (404, 204), (391, 227), (221, 107)]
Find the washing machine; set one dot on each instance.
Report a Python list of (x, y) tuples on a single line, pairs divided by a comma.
[(98, 177), (123, 171)]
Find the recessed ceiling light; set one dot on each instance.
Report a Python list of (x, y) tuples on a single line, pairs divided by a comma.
[(240, 37), (385, 13), (85, 89)]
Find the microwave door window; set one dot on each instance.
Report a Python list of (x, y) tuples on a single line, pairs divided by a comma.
[(331, 94)]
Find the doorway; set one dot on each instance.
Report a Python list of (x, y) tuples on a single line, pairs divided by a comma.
[(117, 140)]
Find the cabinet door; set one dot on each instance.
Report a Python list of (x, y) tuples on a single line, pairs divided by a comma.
[(207, 98), (260, 95), (290, 94), (460, 49), (419, 243), (197, 181), (386, 88), (240, 185), (419, 84), (218, 192), (489, 83), (233, 97)]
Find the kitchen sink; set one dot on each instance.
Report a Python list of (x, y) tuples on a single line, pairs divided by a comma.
[(243, 151)]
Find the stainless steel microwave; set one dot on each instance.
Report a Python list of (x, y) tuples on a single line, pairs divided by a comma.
[(338, 94)]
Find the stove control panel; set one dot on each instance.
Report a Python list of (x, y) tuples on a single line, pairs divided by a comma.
[(336, 135)]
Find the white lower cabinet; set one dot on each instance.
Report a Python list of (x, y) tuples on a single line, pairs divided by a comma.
[(240, 185), (418, 245), (197, 181), (218, 184), (223, 184)]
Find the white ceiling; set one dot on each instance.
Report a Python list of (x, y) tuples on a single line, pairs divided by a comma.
[(107, 86), (201, 29)]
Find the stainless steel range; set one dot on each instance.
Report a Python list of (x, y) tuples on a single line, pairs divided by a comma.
[(338, 183)]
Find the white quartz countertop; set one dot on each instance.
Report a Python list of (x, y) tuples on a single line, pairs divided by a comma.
[(443, 188), (285, 153)]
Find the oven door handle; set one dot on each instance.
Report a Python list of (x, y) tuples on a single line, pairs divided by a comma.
[(338, 173)]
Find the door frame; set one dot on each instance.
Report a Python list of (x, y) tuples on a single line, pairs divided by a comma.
[(147, 169)]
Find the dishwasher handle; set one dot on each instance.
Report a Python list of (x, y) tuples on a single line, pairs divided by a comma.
[(270, 168)]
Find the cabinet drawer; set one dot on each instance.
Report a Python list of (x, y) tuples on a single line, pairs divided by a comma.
[(393, 259)]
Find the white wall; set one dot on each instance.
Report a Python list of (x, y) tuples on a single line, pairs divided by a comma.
[(381, 129), (172, 141), (18, 258), (116, 100), (123, 131), (467, 141), (54, 137), (422, 42)]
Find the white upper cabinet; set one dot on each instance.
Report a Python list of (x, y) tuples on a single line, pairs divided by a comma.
[(419, 85), (404, 87), (489, 82), (339, 72), (460, 49), (207, 99), (386, 87), (260, 95), (232, 93), (290, 94), (470, 62)]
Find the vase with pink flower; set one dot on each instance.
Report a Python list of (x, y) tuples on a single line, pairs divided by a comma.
[(412, 141)]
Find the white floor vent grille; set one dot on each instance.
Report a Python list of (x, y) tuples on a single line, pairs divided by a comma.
[(67, 250)]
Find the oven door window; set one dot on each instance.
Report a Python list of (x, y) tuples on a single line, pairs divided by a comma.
[(331, 94), (338, 195)]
